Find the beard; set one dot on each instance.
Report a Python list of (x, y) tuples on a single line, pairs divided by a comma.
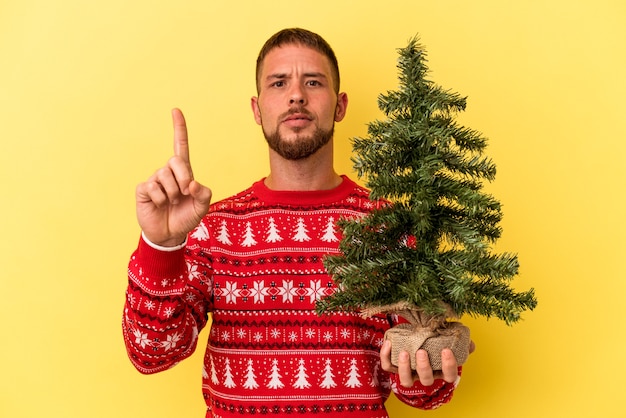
[(301, 147)]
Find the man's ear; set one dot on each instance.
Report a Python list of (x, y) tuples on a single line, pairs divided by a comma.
[(342, 106), (254, 104)]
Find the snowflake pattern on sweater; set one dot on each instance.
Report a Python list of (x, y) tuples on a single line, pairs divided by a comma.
[(254, 263)]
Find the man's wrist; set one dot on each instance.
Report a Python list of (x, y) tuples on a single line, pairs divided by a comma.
[(165, 248)]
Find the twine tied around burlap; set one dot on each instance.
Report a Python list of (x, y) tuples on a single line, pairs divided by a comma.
[(432, 333)]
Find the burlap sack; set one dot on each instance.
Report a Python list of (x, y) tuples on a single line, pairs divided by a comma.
[(432, 333), (409, 338)]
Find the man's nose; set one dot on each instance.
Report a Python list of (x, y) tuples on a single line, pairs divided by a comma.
[(297, 96)]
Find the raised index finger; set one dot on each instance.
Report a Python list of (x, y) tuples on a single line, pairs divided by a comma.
[(181, 142)]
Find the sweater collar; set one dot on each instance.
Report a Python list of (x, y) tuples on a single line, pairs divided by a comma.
[(314, 197)]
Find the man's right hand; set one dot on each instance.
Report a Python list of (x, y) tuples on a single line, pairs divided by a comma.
[(171, 203)]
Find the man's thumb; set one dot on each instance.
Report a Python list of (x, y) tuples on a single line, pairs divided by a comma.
[(201, 194)]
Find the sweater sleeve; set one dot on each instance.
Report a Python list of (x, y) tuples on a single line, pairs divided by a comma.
[(425, 397), (166, 306)]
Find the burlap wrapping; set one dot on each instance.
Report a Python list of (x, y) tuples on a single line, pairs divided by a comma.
[(407, 337), (432, 333)]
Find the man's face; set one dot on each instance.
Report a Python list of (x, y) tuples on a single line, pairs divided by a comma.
[(297, 106)]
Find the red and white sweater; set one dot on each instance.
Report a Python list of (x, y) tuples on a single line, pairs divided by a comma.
[(255, 264)]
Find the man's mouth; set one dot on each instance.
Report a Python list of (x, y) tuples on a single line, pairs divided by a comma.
[(297, 120), (297, 117)]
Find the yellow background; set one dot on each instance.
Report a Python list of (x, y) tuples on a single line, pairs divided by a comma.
[(85, 94)]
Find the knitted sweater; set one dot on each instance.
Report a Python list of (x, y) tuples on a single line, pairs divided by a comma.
[(255, 264)]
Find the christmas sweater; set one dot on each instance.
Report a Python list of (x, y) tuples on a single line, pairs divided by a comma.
[(254, 263)]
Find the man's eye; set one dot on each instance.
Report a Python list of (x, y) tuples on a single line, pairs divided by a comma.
[(314, 83), (278, 84)]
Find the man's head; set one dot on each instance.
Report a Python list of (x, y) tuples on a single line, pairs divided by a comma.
[(298, 101), (303, 37)]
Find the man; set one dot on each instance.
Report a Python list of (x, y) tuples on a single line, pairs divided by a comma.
[(254, 262)]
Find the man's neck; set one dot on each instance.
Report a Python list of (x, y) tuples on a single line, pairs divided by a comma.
[(313, 173)]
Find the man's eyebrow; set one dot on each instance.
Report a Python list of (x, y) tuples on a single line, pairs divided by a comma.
[(277, 76), (282, 76), (315, 75)]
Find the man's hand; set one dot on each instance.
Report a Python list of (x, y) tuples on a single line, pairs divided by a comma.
[(424, 372), (171, 203)]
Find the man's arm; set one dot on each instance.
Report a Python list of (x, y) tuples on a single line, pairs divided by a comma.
[(163, 311)]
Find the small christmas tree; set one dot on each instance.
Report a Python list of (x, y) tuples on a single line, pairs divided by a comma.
[(427, 254)]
